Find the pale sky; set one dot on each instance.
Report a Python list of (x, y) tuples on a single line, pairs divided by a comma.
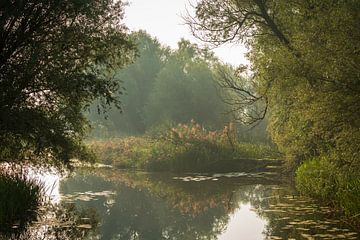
[(162, 19)]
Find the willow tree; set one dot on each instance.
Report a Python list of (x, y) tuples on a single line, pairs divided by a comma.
[(55, 58), (305, 57)]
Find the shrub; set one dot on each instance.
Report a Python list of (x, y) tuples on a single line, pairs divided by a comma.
[(321, 178), (348, 193), (317, 178), (186, 147)]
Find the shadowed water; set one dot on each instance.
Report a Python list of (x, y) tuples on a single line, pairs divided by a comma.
[(104, 203), (198, 206)]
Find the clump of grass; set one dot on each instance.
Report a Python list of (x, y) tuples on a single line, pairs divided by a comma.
[(20, 199), (130, 152), (317, 178), (186, 147), (321, 178)]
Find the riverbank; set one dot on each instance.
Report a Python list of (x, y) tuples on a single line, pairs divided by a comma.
[(191, 148), (339, 187), (186, 148), (20, 200), (160, 155)]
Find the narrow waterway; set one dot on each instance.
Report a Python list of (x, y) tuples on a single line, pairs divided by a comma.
[(139, 205)]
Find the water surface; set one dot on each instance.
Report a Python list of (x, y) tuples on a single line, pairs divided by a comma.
[(139, 205)]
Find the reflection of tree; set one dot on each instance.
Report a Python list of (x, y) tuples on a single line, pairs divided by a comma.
[(156, 206), (188, 197), (62, 222), (147, 216), (151, 209), (290, 216)]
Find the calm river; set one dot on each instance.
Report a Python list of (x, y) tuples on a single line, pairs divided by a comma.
[(114, 204)]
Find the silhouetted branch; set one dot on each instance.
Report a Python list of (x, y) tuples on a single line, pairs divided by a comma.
[(247, 106)]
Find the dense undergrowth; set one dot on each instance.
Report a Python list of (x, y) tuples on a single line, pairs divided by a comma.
[(322, 179), (187, 147)]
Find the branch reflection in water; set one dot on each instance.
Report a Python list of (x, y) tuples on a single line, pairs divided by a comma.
[(53, 219), (140, 205)]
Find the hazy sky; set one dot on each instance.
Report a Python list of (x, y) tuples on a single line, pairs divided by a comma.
[(162, 19)]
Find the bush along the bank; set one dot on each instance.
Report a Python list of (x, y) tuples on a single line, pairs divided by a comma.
[(323, 179), (186, 147), (20, 199)]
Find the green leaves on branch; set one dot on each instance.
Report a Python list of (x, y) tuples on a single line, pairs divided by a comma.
[(55, 58)]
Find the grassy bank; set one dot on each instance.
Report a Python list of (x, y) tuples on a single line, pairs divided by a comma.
[(338, 186), (20, 199), (184, 148)]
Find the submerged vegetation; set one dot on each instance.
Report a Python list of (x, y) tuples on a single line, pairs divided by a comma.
[(28, 210), (186, 147), (61, 222)]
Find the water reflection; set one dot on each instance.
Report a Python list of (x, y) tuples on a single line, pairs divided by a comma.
[(60, 222), (137, 213), (165, 206), (244, 222), (52, 219)]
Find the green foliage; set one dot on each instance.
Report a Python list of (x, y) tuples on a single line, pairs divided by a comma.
[(322, 179), (185, 89), (164, 86), (305, 58), (314, 99), (348, 193), (317, 178), (187, 147), (20, 199), (138, 81), (314, 107), (55, 58)]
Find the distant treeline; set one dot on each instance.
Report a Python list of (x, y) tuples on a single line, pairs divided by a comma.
[(165, 87)]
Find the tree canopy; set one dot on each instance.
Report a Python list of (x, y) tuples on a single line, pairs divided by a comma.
[(55, 58), (305, 57), (165, 87), (185, 89), (305, 62)]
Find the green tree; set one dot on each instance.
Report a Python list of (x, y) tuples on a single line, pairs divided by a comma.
[(164, 86), (138, 80), (305, 58), (185, 89), (56, 57)]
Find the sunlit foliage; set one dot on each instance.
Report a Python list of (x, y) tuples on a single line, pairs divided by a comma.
[(186, 147)]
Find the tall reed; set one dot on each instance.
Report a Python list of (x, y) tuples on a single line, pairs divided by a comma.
[(20, 201)]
